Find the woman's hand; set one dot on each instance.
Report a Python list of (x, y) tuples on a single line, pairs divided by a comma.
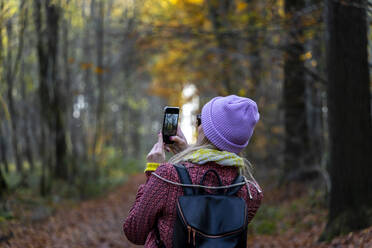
[(157, 154), (180, 142)]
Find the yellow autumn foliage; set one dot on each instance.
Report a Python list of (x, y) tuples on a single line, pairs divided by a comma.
[(188, 46)]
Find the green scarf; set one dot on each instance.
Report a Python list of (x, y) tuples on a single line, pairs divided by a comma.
[(224, 158)]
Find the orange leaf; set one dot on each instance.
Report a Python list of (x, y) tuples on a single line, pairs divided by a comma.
[(86, 66), (99, 70)]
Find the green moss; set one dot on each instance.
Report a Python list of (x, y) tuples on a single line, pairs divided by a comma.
[(266, 220), (299, 214), (266, 227), (6, 215)]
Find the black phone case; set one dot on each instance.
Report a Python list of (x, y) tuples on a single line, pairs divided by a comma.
[(166, 137)]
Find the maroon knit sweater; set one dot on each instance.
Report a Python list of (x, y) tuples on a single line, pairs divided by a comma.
[(156, 201)]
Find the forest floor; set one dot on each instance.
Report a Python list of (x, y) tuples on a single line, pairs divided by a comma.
[(98, 223)]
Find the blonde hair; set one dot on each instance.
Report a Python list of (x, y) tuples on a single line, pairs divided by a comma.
[(246, 170)]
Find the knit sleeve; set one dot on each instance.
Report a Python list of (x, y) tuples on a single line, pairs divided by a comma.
[(150, 201), (253, 202)]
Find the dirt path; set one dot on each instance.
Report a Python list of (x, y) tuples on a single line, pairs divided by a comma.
[(94, 223), (98, 223)]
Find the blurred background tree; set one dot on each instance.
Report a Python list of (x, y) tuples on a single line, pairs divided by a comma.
[(83, 84), (349, 105)]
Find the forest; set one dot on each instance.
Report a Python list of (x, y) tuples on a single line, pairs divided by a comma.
[(83, 85)]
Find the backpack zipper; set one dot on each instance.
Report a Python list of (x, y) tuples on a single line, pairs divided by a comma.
[(194, 231), (193, 236), (189, 233)]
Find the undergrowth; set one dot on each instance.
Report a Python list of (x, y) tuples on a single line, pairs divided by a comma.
[(299, 214), (86, 181)]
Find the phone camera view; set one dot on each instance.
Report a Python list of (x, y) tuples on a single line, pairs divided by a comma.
[(170, 125)]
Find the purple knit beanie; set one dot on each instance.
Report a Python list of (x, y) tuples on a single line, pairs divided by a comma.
[(228, 122)]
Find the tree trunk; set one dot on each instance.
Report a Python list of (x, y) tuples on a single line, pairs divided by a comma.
[(51, 100), (44, 97), (67, 94), (315, 97), (100, 74), (89, 93), (218, 12), (3, 185), (350, 128), (44, 155), (57, 109), (296, 138), (61, 170), (256, 70), (255, 38), (10, 75), (135, 122), (3, 151), (26, 119), (23, 21)]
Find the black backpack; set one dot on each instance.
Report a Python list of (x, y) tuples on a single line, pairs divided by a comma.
[(210, 220)]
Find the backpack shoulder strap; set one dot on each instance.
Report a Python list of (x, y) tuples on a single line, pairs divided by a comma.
[(184, 177), (233, 190)]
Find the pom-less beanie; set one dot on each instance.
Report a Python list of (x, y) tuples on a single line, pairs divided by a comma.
[(228, 122)]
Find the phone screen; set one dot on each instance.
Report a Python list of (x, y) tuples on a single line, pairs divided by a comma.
[(170, 124)]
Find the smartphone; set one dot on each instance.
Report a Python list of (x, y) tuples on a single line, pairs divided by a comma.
[(170, 123)]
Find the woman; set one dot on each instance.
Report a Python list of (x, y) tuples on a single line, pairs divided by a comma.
[(225, 128)]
